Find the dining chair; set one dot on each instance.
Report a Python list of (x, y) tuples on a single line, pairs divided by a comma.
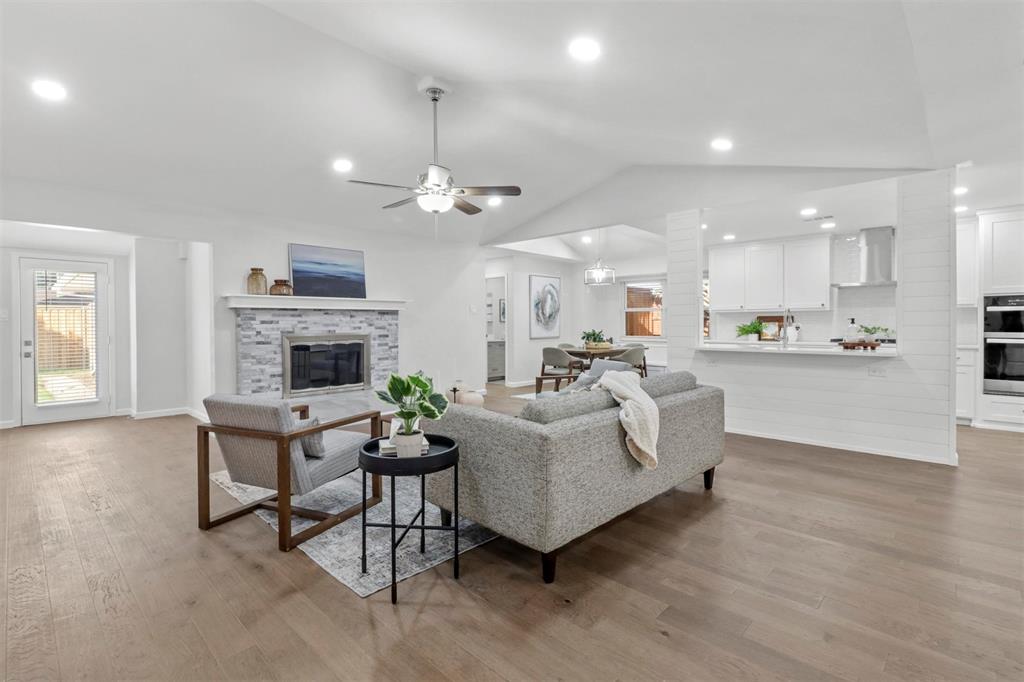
[(559, 364), (263, 445), (567, 346), (636, 356)]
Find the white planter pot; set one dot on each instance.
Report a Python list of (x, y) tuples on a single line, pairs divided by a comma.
[(408, 446), (751, 338)]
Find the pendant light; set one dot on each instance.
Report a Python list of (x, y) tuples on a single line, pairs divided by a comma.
[(599, 274)]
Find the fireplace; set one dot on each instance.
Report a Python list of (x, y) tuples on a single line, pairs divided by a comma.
[(325, 363)]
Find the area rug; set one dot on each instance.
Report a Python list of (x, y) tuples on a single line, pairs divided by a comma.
[(338, 550)]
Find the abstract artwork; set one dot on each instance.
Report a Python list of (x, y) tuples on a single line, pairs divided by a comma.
[(545, 307), (323, 271)]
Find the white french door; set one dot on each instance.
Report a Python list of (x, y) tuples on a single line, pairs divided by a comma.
[(64, 345)]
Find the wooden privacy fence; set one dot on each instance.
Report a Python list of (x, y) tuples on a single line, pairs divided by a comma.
[(65, 337)]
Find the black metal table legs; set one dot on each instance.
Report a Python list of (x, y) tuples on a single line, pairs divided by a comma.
[(423, 527)]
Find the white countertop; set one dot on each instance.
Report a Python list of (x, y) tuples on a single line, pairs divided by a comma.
[(798, 348)]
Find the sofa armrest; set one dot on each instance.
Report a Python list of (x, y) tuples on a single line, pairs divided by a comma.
[(503, 471)]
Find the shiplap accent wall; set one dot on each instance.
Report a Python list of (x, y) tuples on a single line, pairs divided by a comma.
[(834, 401)]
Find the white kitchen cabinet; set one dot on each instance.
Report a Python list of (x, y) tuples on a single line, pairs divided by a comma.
[(1002, 409), (967, 263), (807, 273), (966, 382), (1002, 251), (726, 277), (763, 289)]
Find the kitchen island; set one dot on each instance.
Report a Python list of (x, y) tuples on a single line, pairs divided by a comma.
[(797, 348)]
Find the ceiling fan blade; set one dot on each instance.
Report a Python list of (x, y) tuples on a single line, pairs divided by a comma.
[(496, 191), (465, 206), (384, 184), (403, 202)]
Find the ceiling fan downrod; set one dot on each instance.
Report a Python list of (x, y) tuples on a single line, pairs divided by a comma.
[(435, 96)]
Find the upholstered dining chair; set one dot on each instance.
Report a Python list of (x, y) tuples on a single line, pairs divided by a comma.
[(566, 346), (263, 445), (559, 364), (636, 356)]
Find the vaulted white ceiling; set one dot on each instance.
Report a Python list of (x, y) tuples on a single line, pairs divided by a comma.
[(241, 107)]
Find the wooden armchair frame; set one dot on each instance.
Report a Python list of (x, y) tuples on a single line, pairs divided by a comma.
[(285, 540)]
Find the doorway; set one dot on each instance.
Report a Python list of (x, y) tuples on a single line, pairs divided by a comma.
[(64, 341), (496, 324)]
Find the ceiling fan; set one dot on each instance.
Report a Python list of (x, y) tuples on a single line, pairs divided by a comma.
[(436, 191)]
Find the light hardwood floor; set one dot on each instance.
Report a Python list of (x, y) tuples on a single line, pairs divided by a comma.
[(802, 564)]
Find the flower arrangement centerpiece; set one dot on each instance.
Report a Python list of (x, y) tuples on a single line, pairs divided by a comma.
[(415, 398), (594, 340)]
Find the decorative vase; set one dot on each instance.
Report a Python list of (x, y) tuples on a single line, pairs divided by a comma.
[(752, 338), (598, 345), (408, 445), (282, 287), (256, 283)]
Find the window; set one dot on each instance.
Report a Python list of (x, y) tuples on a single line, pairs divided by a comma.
[(644, 308)]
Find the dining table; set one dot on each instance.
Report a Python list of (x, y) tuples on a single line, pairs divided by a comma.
[(590, 354)]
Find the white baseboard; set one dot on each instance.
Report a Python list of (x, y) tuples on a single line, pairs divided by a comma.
[(9, 424), (998, 426), (123, 412), (155, 414), (519, 384), (840, 446), (198, 414)]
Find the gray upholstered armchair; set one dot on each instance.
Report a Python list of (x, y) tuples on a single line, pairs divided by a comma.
[(559, 364), (262, 445), (636, 356)]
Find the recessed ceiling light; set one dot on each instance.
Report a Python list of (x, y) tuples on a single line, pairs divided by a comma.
[(959, 191), (808, 211), (584, 49), (494, 201), (342, 165), (827, 226), (728, 237), (722, 144), (960, 209), (703, 226), (586, 239), (51, 90)]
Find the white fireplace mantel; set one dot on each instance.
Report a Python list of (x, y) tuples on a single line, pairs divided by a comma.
[(311, 302)]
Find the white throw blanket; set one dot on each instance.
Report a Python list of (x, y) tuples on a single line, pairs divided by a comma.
[(638, 416)]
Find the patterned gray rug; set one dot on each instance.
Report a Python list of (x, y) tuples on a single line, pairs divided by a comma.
[(338, 550)]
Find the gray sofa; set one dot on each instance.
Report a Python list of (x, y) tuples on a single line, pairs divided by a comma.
[(561, 468)]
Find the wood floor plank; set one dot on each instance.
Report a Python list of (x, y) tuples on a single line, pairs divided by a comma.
[(802, 563)]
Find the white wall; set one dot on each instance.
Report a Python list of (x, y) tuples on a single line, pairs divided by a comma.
[(834, 401), (441, 331), (159, 327), (51, 242), (199, 346), (523, 354)]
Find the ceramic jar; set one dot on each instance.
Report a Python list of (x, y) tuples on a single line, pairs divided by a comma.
[(281, 287), (256, 283)]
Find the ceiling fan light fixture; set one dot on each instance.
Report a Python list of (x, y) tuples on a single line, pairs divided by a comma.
[(494, 201), (599, 274), (435, 203)]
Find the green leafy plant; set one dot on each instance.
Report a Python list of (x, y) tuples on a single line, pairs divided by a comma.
[(875, 330), (593, 336), (752, 327), (415, 397)]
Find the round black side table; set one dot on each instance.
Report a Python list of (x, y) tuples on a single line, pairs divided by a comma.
[(442, 454)]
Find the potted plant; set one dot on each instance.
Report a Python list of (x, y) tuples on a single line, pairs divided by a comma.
[(873, 333), (594, 340), (415, 397), (750, 331)]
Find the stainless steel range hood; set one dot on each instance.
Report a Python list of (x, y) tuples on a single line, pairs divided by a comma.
[(877, 250)]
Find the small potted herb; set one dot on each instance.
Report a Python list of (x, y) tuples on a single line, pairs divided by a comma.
[(594, 340), (873, 333), (750, 331), (415, 397)]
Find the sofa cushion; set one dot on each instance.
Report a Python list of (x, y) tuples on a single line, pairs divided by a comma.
[(657, 385), (569, 405)]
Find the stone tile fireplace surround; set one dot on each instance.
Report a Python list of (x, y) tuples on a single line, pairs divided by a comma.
[(259, 341)]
